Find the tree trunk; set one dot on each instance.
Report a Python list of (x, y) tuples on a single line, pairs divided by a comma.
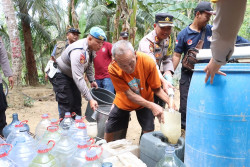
[(133, 27), (29, 54), (108, 28), (116, 21), (74, 18), (8, 9)]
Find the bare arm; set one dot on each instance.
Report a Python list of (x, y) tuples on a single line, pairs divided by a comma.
[(176, 59), (155, 108)]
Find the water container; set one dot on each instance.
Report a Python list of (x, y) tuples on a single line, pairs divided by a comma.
[(2, 141), (44, 158), (4, 160), (102, 96), (170, 159), (92, 129), (52, 133), (152, 148), (78, 158), (8, 128), (93, 157), (101, 118), (22, 153), (64, 148), (67, 121), (107, 164), (218, 118), (81, 133), (20, 131), (73, 128), (42, 126)]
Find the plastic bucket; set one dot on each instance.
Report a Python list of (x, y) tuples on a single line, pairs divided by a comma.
[(102, 96), (218, 126)]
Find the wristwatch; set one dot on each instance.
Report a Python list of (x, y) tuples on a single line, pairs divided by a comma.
[(92, 81)]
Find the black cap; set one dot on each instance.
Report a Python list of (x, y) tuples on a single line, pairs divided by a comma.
[(124, 34), (73, 30), (164, 19), (204, 7)]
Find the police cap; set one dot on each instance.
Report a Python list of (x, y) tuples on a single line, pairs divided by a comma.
[(164, 19), (98, 33)]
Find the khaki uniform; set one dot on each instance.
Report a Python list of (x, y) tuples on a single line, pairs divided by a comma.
[(160, 51), (229, 17), (69, 83), (75, 60)]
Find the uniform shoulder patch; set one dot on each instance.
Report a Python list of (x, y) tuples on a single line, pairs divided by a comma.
[(82, 58)]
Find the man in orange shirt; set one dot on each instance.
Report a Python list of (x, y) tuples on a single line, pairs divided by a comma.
[(136, 79)]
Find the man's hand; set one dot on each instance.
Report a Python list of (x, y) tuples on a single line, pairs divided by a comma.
[(157, 112), (93, 104), (11, 82), (166, 85), (46, 77), (94, 85), (211, 69)]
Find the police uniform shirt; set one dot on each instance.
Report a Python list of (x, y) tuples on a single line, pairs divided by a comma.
[(153, 51), (189, 38), (74, 61), (227, 22)]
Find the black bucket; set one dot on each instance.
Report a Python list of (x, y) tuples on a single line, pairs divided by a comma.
[(102, 96)]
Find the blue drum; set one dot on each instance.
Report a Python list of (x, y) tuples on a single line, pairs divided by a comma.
[(218, 118)]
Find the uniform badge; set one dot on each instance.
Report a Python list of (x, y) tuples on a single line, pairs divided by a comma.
[(167, 19), (82, 58), (189, 42), (151, 48), (176, 42), (156, 39), (101, 37), (167, 42)]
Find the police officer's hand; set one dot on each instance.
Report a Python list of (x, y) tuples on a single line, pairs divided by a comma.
[(94, 85), (157, 112), (46, 77), (11, 82), (211, 69), (93, 104)]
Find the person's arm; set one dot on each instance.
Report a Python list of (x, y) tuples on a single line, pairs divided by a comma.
[(91, 74), (176, 59), (155, 108), (77, 67), (224, 37), (4, 62)]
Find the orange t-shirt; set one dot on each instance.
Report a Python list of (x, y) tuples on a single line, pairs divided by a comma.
[(141, 81)]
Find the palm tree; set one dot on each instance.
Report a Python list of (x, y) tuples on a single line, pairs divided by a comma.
[(9, 12)]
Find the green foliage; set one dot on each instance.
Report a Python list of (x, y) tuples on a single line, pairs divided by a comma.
[(28, 101)]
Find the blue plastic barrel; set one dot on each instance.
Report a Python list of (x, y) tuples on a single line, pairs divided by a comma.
[(218, 126)]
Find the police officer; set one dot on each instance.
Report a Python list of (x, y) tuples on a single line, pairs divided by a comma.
[(69, 82), (187, 39), (157, 44), (4, 63), (72, 36), (123, 35)]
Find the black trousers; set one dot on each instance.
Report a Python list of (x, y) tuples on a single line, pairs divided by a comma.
[(68, 95), (186, 76), (3, 107), (159, 101)]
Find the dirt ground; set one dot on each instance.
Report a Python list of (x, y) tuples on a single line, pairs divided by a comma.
[(43, 100)]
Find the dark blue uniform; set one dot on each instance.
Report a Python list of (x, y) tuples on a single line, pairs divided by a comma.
[(187, 39)]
